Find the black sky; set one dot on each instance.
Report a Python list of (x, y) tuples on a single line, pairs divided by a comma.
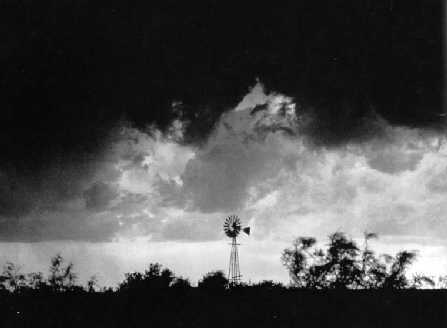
[(72, 69)]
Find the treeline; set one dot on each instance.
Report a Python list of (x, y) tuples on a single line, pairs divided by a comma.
[(157, 298), (343, 284), (341, 265)]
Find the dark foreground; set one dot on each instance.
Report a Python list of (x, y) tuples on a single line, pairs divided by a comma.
[(245, 307)]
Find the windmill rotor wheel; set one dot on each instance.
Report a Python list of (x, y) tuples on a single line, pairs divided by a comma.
[(232, 226)]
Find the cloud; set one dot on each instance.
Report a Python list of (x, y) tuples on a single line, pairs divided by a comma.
[(340, 69), (245, 147), (99, 195), (259, 162), (16, 197), (193, 227), (437, 183)]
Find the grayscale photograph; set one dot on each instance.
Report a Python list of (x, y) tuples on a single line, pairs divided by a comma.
[(215, 164)]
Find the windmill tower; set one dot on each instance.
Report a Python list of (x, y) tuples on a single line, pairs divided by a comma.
[(232, 228)]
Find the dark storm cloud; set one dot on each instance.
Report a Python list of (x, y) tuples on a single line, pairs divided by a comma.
[(55, 185), (394, 162), (61, 202), (99, 195), (15, 196), (64, 225), (71, 70)]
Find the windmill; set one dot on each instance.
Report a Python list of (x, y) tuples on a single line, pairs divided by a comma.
[(232, 228)]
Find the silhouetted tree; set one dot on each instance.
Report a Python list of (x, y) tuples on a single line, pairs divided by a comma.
[(61, 277), (36, 281), (342, 265), (180, 283), (299, 260), (153, 278), (342, 269), (422, 281), (395, 277), (92, 284), (268, 285), (11, 279), (314, 268), (442, 282), (214, 280), (373, 270)]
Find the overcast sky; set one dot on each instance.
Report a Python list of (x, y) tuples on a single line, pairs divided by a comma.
[(149, 197), (130, 133)]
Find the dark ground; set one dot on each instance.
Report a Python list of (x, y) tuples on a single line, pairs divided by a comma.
[(245, 307)]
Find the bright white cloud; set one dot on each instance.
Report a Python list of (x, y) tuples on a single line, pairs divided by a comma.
[(259, 163)]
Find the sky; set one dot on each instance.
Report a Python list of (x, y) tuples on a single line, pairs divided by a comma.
[(129, 133)]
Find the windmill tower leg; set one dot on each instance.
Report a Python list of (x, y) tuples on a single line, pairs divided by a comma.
[(234, 274)]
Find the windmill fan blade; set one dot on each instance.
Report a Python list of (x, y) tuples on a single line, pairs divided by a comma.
[(246, 230), (232, 226)]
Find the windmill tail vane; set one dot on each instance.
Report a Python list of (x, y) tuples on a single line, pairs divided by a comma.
[(232, 228)]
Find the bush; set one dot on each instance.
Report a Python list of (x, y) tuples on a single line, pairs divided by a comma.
[(214, 280)]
